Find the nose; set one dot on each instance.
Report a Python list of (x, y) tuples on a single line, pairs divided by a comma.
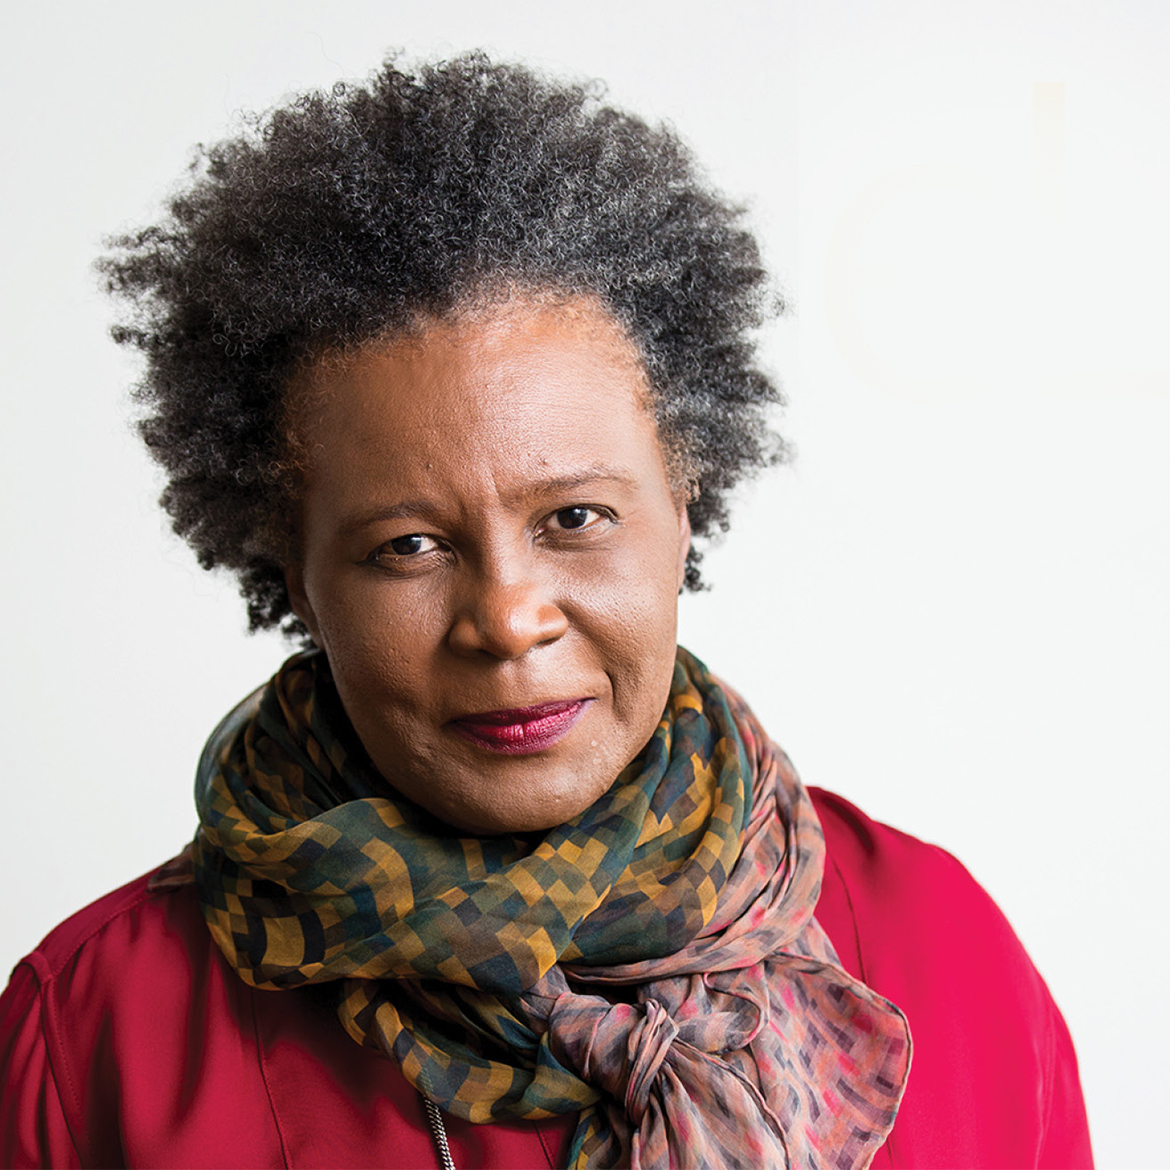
[(505, 619)]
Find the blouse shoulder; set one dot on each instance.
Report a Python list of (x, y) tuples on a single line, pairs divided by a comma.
[(126, 1039), (93, 993), (54, 952), (877, 876), (993, 1077)]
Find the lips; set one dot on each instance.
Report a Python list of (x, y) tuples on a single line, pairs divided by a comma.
[(521, 730)]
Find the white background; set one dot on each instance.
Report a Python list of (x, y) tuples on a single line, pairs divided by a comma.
[(951, 610)]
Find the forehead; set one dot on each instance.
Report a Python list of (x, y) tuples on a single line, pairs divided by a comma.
[(520, 386), (507, 353)]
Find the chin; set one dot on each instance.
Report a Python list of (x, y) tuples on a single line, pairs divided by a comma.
[(534, 812)]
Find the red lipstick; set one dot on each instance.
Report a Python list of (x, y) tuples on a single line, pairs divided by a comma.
[(521, 730)]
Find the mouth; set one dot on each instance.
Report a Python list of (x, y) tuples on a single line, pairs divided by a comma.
[(521, 730)]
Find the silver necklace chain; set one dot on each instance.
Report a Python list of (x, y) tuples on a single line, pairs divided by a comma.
[(439, 1132)]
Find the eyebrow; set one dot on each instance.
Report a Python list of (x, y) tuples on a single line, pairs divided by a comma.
[(598, 473), (555, 485)]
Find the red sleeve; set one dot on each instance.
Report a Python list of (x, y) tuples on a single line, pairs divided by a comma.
[(993, 1077), (1066, 1128), (32, 1124)]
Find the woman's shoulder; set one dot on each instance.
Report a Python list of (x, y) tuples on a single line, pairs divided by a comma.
[(895, 905), (878, 877), (95, 1019), (862, 847), (127, 1039), (994, 1076), (126, 926), (907, 918)]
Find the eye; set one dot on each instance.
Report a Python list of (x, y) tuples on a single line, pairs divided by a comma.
[(579, 516), (411, 545)]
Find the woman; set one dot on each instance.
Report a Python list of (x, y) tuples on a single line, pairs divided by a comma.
[(449, 370)]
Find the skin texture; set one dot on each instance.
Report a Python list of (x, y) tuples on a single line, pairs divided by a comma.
[(488, 523)]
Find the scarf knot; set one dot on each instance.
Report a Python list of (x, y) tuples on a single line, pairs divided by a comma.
[(670, 1080), (647, 1047), (618, 1048)]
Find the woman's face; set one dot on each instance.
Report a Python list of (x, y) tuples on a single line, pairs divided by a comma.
[(491, 555)]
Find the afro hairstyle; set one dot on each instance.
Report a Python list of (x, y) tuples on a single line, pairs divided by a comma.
[(341, 217)]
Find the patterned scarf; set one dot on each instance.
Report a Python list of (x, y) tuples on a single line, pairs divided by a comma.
[(652, 964)]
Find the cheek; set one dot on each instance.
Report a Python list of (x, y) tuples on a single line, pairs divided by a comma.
[(379, 643), (633, 614)]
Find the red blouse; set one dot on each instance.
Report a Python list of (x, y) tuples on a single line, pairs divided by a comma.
[(126, 1039)]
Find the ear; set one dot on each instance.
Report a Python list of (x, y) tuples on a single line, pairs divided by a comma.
[(294, 582), (684, 542)]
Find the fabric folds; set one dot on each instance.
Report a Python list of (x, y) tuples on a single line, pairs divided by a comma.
[(653, 964)]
